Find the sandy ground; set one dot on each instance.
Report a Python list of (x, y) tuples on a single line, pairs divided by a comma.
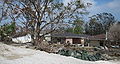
[(16, 55)]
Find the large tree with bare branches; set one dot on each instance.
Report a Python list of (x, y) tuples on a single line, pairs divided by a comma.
[(41, 17)]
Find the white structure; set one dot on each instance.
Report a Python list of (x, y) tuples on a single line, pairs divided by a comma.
[(82, 42), (22, 39), (27, 38), (69, 40)]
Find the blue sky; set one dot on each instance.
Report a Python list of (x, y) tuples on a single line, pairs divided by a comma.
[(109, 6), (100, 2), (100, 6)]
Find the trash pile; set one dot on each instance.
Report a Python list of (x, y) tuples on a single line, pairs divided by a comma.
[(50, 48), (84, 55)]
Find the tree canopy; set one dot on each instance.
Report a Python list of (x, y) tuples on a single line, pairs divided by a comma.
[(42, 16), (77, 27), (99, 23)]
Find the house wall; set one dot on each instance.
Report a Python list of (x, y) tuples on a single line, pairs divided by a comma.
[(70, 40), (76, 41), (94, 43), (73, 40)]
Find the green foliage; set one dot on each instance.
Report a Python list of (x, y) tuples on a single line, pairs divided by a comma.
[(93, 27), (106, 19), (99, 23), (77, 27), (69, 30), (65, 52), (78, 30), (84, 55), (7, 29)]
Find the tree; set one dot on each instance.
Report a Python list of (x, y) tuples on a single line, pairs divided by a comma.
[(114, 32), (77, 27), (93, 27), (7, 30), (106, 19), (42, 15), (103, 20)]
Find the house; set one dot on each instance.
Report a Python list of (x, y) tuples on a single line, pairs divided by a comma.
[(69, 38), (97, 40), (81, 39)]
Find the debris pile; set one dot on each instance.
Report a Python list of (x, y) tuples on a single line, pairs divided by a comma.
[(84, 55)]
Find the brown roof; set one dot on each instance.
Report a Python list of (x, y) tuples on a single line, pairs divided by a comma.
[(98, 37), (70, 35)]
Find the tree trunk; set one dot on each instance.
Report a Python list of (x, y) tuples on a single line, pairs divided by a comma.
[(37, 39)]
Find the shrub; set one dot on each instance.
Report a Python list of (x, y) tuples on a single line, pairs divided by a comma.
[(7, 30)]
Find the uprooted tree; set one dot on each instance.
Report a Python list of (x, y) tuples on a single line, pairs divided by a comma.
[(41, 17)]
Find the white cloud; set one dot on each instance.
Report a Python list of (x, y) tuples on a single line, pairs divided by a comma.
[(110, 7), (83, 1), (89, 1), (114, 4), (66, 2)]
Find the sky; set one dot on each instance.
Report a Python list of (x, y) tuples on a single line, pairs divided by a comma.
[(100, 6), (109, 6)]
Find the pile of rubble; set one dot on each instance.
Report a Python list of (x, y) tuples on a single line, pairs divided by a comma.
[(84, 55)]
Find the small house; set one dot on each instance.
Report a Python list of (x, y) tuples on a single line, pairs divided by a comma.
[(69, 38)]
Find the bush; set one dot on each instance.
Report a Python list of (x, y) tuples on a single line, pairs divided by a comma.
[(7, 30), (84, 55)]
